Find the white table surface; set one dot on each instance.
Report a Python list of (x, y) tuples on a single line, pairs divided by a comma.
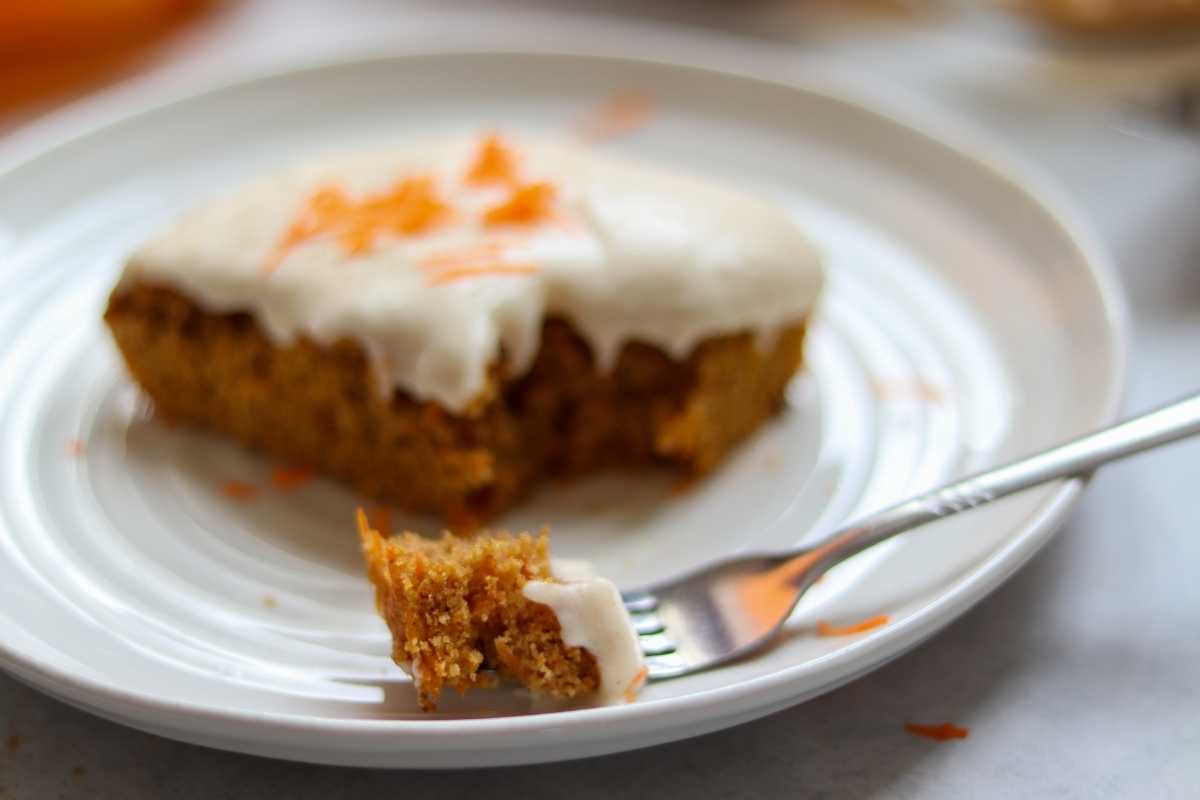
[(1079, 678)]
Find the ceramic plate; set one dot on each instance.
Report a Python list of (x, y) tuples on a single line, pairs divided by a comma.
[(966, 323)]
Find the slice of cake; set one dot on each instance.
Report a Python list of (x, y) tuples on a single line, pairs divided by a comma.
[(445, 323), (463, 610)]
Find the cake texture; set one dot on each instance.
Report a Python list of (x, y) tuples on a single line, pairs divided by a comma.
[(445, 323), (464, 611)]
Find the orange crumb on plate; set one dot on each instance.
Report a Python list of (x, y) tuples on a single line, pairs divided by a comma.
[(287, 478), (239, 491), (269, 601), (941, 733), (495, 162), (825, 629), (527, 204), (76, 447), (618, 115)]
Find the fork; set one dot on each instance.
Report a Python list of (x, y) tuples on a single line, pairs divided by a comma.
[(731, 608)]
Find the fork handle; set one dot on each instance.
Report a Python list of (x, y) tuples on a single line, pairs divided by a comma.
[(1073, 459)]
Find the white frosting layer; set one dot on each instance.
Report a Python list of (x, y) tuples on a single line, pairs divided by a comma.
[(637, 253), (592, 616)]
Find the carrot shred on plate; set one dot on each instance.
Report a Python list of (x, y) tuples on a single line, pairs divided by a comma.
[(76, 447), (239, 491), (618, 115), (825, 629), (287, 478), (940, 733)]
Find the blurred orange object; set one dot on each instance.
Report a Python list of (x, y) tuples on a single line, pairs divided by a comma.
[(50, 47), (1111, 15)]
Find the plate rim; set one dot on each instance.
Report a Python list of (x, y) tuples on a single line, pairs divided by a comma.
[(917, 116)]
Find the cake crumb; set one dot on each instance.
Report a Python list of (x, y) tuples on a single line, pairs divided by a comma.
[(76, 448), (239, 491), (285, 479), (269, 601), (825, 629), (939, 733)]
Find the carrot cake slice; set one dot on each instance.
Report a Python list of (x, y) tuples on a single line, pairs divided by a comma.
[(446, 322), (463, 610)]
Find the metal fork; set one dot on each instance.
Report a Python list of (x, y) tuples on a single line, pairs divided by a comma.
[(728, 609)]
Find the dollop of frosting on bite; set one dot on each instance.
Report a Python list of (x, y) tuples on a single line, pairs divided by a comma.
[(439, 256), (592, 616)]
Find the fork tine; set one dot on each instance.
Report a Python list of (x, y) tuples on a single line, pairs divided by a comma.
[(665, 666), (656, 644), (647, 623), (639, 602)]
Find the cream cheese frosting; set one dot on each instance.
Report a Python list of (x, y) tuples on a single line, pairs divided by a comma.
[(624, 251), (592, 616)]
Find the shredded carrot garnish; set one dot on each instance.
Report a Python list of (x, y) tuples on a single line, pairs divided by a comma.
[(76, 447), (528, 204), (452, 274), (619, 115), (941, 733), (631, 691), (240, 491), (287, 478), (410, 207), (825, 629), (495, 162), (485, 251)]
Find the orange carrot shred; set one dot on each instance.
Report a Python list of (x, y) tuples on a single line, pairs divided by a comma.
[(287, 478), (483, 252), (410, 207), (630, 693), (528, 204), (453, 274), (825, 629), (76, 447), (620, 114), (495, 162), (239, 491), (940, 733)]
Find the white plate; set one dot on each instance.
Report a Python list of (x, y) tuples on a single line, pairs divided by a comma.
[(965, 323)]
